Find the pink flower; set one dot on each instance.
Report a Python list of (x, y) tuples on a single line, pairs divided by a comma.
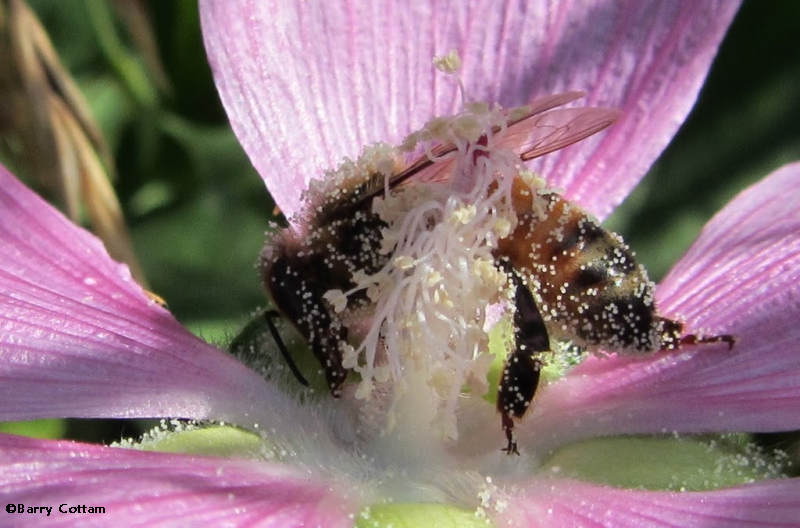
[(307, 84)]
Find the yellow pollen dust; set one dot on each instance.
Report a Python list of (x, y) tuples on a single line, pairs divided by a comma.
[(449, 63), (426, 319)]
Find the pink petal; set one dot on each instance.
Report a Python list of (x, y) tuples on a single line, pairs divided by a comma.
[(305, 84), (555, 503), (79, 338), (145, 488), (742, 277)]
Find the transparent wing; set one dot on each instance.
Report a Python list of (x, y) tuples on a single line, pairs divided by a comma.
[(535, 129), (548, 102), (424, 169), (536, 135)]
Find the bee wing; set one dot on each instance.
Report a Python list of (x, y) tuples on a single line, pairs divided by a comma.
[(441, 168), (536, 131), (425, 169), (536, 135), (548, 102)]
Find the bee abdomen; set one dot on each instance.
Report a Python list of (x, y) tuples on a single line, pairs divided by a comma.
[(589, 286)]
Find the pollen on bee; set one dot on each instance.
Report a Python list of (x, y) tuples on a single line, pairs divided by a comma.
[(502, 227), (403, 262), (429, 299), (468, 127), (337, 298), (464, 215), (364, 390), (349, 356), (434, 277)]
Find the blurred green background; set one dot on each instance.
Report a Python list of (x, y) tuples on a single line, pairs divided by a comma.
[(197, 211)]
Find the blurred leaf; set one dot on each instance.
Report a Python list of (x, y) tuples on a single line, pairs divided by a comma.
[(51, 428), (201, 256), (128, 66), (110, 105)]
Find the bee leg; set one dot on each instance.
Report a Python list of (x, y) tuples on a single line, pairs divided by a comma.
[(508, 426), (672, 336), (517, 388), (325, 335), (522, 371), (326, 349), (692, 339), (269, 315), (300, 300)]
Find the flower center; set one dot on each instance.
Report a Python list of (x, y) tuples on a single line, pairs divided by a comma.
[(425, 334)]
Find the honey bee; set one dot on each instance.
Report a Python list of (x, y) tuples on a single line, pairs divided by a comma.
[(588, 289), (570, 279)]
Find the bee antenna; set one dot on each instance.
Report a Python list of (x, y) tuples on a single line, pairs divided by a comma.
[(269, 315)]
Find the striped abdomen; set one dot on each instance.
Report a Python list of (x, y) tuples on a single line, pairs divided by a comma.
[(589, 287)]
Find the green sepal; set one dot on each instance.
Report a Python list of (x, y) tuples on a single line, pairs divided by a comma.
[(414, 515), (501, 338), (221, 440), (662, 463)]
